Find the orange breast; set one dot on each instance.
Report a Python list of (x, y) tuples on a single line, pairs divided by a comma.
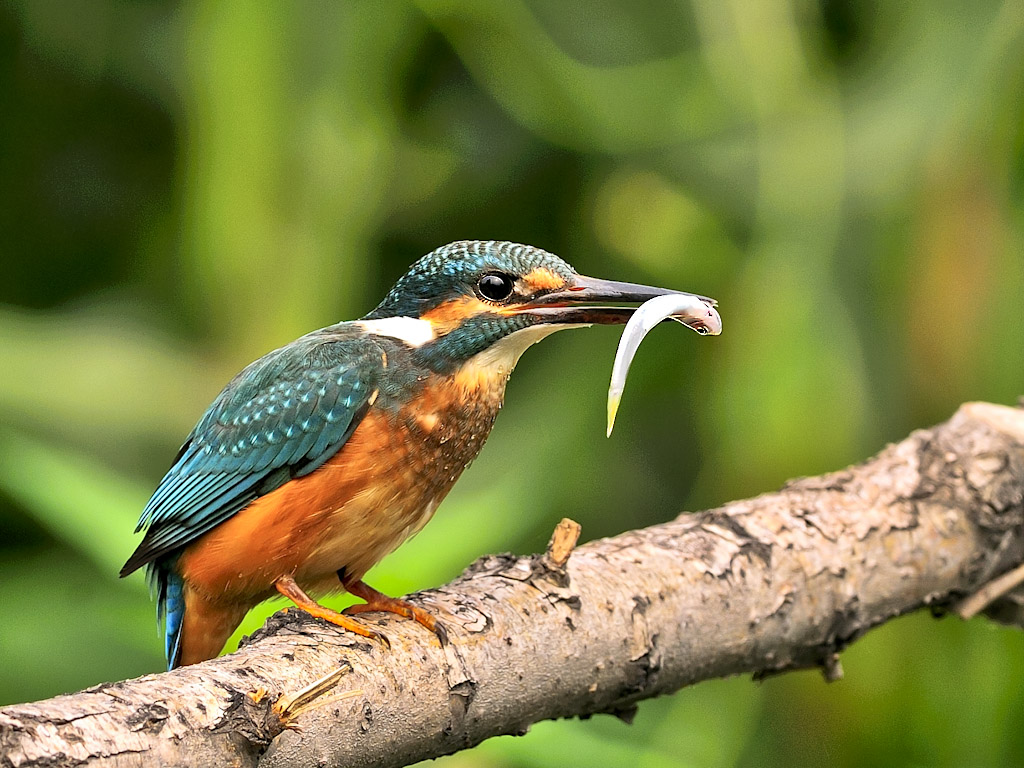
[(380, 488)]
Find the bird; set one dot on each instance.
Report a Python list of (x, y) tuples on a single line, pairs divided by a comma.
[(321, 457)]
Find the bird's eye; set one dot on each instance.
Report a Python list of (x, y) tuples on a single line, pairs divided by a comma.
[(495, 286)]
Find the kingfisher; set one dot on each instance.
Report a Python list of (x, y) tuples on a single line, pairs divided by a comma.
[(321, 457)]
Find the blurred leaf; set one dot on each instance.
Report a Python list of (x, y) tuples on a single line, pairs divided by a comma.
[(84, 505), (289, 165), (85, 374), (611, 109), (810, 418), (658, 227)]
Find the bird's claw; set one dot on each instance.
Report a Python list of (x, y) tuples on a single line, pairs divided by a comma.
[(441, 632), (381, 602), (383, 639)]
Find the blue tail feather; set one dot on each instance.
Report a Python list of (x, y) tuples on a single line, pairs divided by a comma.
[(170, 607)]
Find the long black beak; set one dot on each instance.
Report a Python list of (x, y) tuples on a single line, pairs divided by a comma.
[(581, 303)]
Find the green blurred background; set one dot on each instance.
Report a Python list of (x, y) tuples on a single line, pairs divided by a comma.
[(184, 187)]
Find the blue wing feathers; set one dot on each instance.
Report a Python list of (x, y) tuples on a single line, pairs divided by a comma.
[(303, 442), (330, 450), (282, 417)]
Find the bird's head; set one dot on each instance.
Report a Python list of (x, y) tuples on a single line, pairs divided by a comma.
[(471, 297)]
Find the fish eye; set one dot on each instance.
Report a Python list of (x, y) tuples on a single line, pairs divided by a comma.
[(495, 286)]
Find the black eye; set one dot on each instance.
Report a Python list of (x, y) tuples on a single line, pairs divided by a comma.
[(495, 286)]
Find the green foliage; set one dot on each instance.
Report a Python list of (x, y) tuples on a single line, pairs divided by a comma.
[(184, 188)]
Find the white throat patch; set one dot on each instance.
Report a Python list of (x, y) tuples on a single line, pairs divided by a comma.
[(502, 356), (411, 330)]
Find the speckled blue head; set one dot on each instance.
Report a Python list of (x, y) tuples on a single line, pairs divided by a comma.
[(472, 295), (454, 270)]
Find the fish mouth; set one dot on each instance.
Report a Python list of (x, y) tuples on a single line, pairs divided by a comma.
[(591, 300)]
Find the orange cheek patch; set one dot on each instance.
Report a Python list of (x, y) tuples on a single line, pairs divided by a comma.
[(448, 316), (543, 279)]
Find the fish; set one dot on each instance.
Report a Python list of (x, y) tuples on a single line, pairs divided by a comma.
[(696, 312)]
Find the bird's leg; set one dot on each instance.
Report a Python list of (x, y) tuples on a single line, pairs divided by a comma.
[(378, 601), (287, 586)]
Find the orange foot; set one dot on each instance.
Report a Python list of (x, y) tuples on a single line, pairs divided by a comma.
[(378, 601), (286, 586)]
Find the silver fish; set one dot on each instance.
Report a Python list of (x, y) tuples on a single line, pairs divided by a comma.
[(692, 311)]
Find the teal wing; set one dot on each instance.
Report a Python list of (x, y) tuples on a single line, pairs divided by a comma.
[(280, 418)]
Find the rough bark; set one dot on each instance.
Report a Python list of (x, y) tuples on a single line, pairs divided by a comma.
[(778, 582)]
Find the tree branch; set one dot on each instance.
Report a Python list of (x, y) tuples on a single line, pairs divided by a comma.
[(778, 582)]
